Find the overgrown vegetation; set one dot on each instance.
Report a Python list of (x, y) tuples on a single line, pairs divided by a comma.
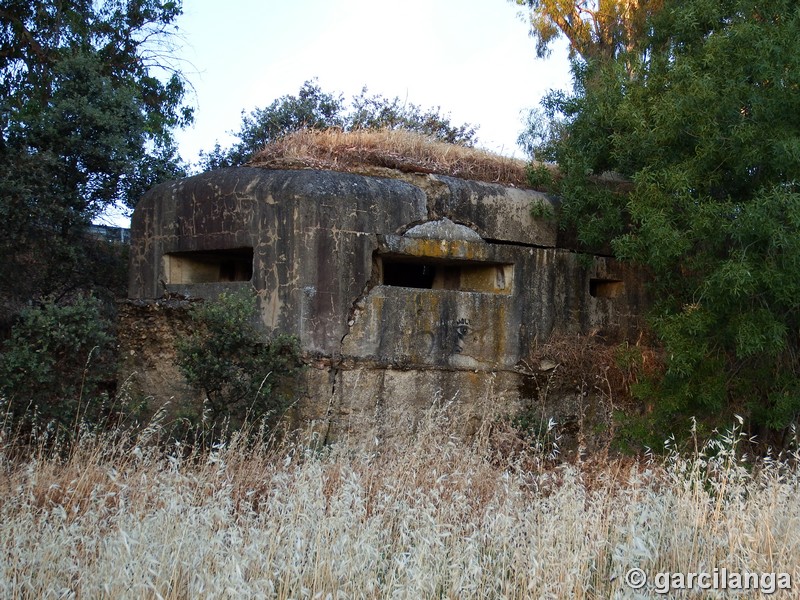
[(242, 376), (403, 150), (89, 100), (315, 109), (698, 116), (57, 368)]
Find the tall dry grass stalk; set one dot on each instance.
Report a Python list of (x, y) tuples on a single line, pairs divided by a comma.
[(432, 518), (359, 151)]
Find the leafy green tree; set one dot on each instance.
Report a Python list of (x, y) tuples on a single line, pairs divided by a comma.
[(598, 32), (313, 108), (378, 112), (707, 134), (88, 102), (242, 375)]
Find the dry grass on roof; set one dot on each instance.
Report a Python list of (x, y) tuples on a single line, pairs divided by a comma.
[(362, 151)]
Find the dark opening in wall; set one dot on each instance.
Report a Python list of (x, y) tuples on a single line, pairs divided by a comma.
[(606, 288), (408, 274), (429, 274), (209, 266)]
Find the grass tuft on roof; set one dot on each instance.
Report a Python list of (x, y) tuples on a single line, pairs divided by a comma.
[(364, 151)]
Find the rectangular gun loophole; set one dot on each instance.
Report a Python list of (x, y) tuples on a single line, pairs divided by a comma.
[(606, 288), (209, 266), (462, 276)]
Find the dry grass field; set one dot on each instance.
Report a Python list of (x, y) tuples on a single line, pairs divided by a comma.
[(434, 517)]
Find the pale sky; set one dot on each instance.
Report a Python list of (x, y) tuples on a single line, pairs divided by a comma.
[(472, 58)]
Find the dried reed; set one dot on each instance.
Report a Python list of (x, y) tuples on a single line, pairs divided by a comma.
[(434, 517)]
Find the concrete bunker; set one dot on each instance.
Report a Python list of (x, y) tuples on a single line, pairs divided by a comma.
[(400, 289)]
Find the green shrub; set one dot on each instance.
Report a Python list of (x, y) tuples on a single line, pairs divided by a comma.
[(243, 376), (540, 177), (57, 365)]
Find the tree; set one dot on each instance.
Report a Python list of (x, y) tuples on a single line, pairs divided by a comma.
[(88, 102), (707, 132), (596, 29), (313, 108), (599, 32), (378, 112)]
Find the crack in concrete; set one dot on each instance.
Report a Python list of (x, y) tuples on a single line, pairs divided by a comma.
[(356, 308)]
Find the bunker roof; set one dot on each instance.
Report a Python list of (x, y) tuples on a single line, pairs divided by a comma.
[(387, 153)]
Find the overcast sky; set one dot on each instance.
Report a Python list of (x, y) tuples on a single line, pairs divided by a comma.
[(472, 58)]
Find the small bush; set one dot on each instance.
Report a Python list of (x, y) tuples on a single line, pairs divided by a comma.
[(540, 177), (57, 365), (243, 377)]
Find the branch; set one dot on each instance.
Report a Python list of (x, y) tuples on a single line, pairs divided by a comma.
[(25, 35)]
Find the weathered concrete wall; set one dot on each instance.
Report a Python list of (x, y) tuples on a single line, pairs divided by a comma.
[(398, 289)]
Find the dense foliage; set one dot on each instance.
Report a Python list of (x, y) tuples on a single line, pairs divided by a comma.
[(88, 103), (706, 130), (57, 367), (243, 377), (314, 108)]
